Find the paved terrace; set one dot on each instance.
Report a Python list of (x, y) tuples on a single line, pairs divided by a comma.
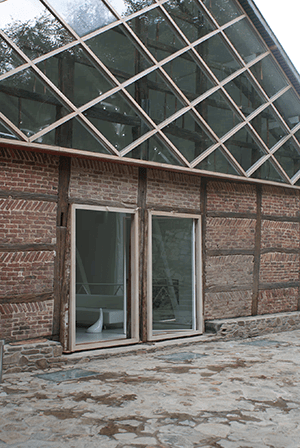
[(220, 394)]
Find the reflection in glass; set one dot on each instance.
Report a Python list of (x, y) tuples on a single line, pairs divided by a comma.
[(218, 113), (244, 148), (217, 162), (188, 76), (77, 77), (83, 17), (297, 135), (102, 275), (73, 134), (156, 34), (268, 126), (8, 57), (32, 27), (117, 121), (154, 150), (6, 133), (116, 50), (190, 18), (218, 57), (289, 158), (173, 261), (244, 93), (223, 10), (267, 171), (155, 96), (289, 107), (187, 135), (127, 7), (28, 103), (250, 46), (269, 76)]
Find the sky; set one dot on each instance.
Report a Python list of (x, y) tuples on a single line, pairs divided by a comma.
[(283, 18)]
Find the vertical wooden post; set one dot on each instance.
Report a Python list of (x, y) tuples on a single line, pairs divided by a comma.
[(60, 281), (143, 251), (203, 211), (257, 249)]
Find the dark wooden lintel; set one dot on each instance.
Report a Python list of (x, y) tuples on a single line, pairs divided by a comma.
[(12, 194), (224, 252), (216, 214), (26, 247), (281, 218), (228, 288), (100, 203), (281, 250), (27, 298), (279, 285), (174, 209)]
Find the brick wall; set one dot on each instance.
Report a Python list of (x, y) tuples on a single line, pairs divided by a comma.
[(28, 188), (103, 182), (28, 208)]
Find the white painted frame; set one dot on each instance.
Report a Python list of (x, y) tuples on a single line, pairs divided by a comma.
[(134, 281), (198, 301)]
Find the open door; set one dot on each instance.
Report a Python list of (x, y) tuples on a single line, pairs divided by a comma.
[(174, 305), (104, 308)]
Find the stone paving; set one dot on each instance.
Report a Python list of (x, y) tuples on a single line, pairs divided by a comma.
[(218, 394)]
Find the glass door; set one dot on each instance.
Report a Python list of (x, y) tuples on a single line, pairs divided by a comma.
[(103, 276), (174, 283)]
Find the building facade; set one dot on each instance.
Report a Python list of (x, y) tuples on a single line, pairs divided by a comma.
[(149, 169)]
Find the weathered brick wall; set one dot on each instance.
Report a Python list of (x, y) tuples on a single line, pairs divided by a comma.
[(229, 245), (280, 243), (173, 190), (28, 187), (103, 182)]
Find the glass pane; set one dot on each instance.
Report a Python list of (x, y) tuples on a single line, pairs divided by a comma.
[(75, 75), (218, 57), (268, 172), (32, 27), (117, 121), (8, 58), (27, 102), (245, 40), (187, 135), (217, 163), (127, 7), (73, 134), (154, 150), (6, 133), (269, 76), (118, 53), (223, 10), (155, 97), (218, 113), (102, 275), (288, 106), (268, 127), (188, 76), (289, 158), (83, 16), (297, 135), (156, 34), (172, 273), (190, 18), (244, 148), (244, 93)]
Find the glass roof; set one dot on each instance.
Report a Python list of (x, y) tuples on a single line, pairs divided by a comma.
[(186, 83)]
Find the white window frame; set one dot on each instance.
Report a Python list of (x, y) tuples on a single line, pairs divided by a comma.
[(134, 281), (198, 302)]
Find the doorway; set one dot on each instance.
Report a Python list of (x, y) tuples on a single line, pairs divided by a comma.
[(104, 310)]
